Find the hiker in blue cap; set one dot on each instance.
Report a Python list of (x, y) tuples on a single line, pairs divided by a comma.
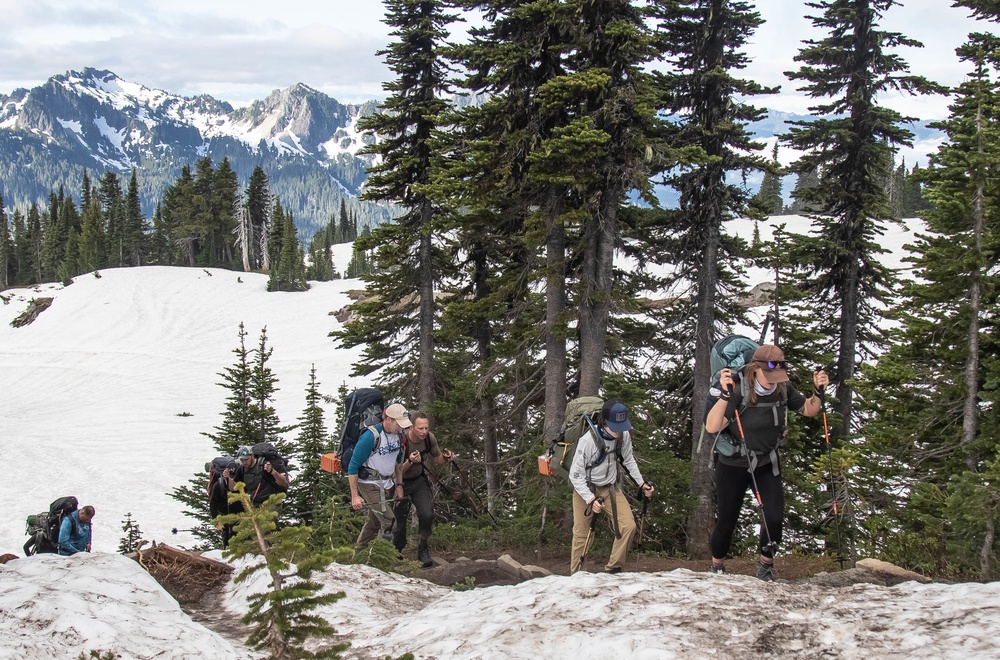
[(595, 478)]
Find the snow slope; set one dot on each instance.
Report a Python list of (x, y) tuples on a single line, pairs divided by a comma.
[(94, 388)]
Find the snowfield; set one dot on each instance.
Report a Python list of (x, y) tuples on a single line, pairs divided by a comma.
[(59, 607)]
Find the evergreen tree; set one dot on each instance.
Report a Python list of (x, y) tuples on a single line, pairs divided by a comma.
[(931, 433), (237, 427), (21, 249), (263, 384), (113, 209), (136, 227), (403, 173), (290, 271), (54, 241), (320, 257), (7, 265), (805, 183), (70, 267), (160, 250), (768, 199), (850, 138), (312, 488), (225, 192), (258, 210), (85, 190), (347, 231), (178, 207), (92, 240), (273, 236), (31, 264), (703, 40), (281, 617), (132, 541)]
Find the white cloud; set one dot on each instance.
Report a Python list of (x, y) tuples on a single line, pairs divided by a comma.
[(240, 51)]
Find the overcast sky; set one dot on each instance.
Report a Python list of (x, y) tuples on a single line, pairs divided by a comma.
[(242, 50)]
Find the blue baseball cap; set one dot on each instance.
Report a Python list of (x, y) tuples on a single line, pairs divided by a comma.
[(616, 416)]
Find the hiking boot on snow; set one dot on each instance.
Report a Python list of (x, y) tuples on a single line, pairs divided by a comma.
[(718, 569), (614, 570), (424, 554), (765, 571)]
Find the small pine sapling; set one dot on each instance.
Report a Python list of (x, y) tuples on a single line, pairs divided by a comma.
[(281, 617), (133, 535)]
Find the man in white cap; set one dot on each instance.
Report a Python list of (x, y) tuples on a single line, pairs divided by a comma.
[(594, 475), (375, 474)]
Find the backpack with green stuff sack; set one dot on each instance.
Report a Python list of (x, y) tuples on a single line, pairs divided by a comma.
[(581, 416), (734, 352), (43, 528)]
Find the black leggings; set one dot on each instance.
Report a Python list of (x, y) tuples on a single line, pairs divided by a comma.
[(418, 491), (731, 485)]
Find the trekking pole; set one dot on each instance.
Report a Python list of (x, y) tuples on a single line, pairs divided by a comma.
[(642, 525), (590, 535), (841, 559), (771, 545)]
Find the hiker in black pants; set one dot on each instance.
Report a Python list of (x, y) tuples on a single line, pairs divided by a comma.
[(761, 398), (422, 446)]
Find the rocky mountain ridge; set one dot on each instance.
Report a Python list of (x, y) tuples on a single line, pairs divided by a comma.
[(306, 141)]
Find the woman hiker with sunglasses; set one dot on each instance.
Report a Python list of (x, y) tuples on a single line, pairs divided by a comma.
[(751, 410)]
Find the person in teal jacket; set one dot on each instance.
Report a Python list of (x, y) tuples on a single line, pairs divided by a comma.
[(75, 531)]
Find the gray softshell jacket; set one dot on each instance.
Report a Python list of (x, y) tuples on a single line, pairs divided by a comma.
[(607, 472)]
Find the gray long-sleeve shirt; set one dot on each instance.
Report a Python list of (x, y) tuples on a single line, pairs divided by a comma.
[(607, 472)]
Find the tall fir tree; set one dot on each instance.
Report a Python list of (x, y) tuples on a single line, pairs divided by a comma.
[(403, 174), (7, 267), (703, 40), (312, 488), (931, 429), (238, 427), (136, 228), (768, 199), (267, 426), (289, 274), (258, 209), (850, 138)]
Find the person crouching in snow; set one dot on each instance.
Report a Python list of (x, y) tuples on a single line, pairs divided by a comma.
[(594, 475), (75, 531)]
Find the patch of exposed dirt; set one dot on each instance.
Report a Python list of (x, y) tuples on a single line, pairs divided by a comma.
[(454, 567)]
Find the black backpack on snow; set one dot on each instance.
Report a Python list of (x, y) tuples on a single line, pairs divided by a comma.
[(43, 528), (362, 410)]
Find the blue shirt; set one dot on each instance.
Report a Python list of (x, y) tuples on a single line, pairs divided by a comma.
[(381, 461), (74, 536)]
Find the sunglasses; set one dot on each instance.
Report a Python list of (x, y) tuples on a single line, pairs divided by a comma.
[(773, 364)]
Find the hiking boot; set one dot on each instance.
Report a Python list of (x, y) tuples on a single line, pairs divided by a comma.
[(424, 555), (765, 572), (614, 570), (718, 569)]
